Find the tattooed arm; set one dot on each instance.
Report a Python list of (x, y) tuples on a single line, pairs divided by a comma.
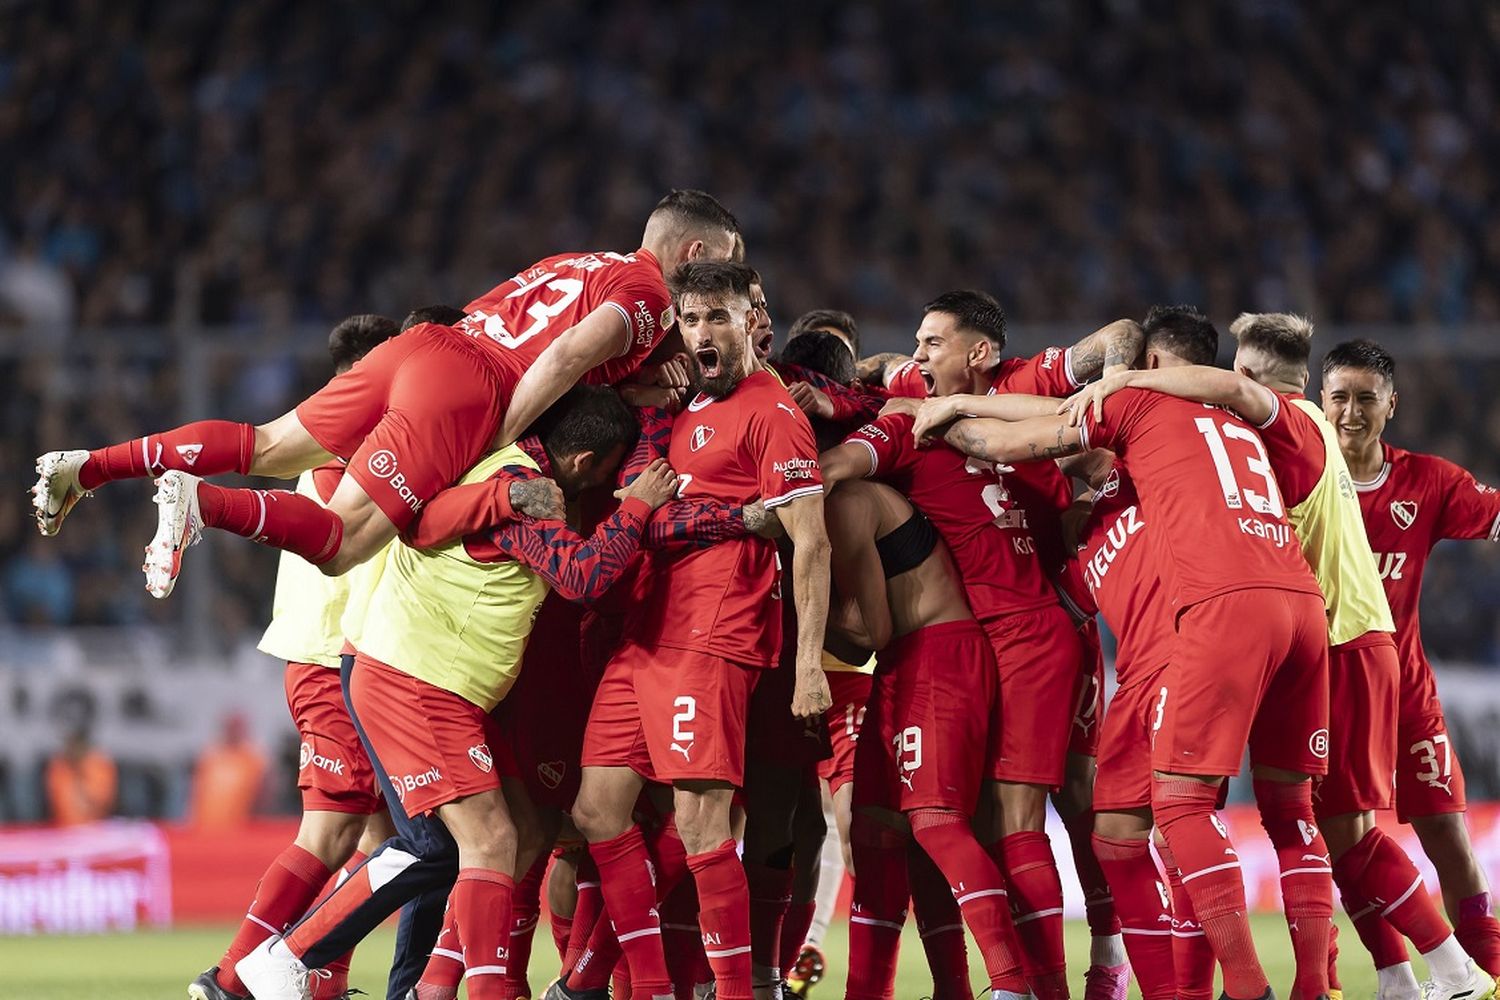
[(1015, 441), (872, 370), (1110, 349)]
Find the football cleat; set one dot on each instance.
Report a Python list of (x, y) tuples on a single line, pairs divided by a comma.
[(1106, 982), (807, 971), (1478, 986), (559, 991), (178, 525), (206, 987), (1269, 994), (273, 973), (57, 488)]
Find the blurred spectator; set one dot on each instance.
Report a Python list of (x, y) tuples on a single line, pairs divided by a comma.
[(81, 782), (227, 780)]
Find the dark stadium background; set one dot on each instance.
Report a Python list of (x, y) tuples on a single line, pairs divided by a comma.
[(191, 194)]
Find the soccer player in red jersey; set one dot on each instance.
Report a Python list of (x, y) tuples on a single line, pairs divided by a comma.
[(959, 355), (1230, 555), (1410, 502), (342, 816), (930, 737), (412, 418), (1036, 647), (1267, 389), (673, 701)]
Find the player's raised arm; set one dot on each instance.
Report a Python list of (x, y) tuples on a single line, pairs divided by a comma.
[(1198, 383), (599, 336), (1010, 441), (803, 520), (1109, 349)]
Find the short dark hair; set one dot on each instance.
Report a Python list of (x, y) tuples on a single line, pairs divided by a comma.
[(441, 315), (1365, 354), (821, 352), (976, 311), (711, 277), (835, 318), (1183, 331), (689, 207), (355, 336), (586, 418)]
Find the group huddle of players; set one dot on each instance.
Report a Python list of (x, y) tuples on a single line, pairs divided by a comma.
[(741, 581)]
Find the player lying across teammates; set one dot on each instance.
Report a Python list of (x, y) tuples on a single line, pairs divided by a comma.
[(616, 644)]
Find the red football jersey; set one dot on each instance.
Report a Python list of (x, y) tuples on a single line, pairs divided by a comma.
[(907, 381), (1295, 446), (1206, 486), (1121, 574), (520, 317), (726, 599), (1417, 501), (970, 504)]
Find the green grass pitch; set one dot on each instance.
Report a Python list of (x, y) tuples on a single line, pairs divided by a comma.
[(159, 965)]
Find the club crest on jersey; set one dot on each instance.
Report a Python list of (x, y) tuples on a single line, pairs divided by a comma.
[(1404, 513), (1111, 485), (480, 755), (702, 434), (550, 773)]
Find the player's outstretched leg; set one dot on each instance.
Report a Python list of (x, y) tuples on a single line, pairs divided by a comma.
[(1140, 899), (1286, 813)]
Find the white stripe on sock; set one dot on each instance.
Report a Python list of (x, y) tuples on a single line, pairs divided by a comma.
[(1056, 912), (1210, 871)]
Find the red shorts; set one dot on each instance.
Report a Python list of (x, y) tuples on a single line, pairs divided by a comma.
[(333, 770), (928, 729), (776, 736), (1038, 654), (1088, 707), (851, 693), (1429, 780), (1248, 668), (1363, 691), (435, 746), (671, 715), (544, 715), (411, 417), (1123, 778)]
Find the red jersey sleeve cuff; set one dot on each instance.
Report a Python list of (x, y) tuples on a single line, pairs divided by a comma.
[(636, 507), (1275, 410)]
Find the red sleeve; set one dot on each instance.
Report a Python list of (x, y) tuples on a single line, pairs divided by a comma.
[(579, 569), (1121, 413), (695, 523), (1470, 508), (464, 510), (326, 479), (907, 381), (1049, 373), (1294, 444), (851, 404), (889, 442), (640, 295), (655, 439), (786, 453)]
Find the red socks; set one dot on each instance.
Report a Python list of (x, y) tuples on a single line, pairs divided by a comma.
[(682, 940), (977, 885), (628, 886), (1146, 922), (940, 924), (284, 893), (445, 965), (481, 907), (1200, 843), (586, 911), (278, 518), (1192, 957), (879, 909), (205, 448), (794, 928), (1479, 932), (1036, 901), (1386, 899), (525, 912), (770, 896), (561, 927), (1286, 812), (724, 916), (1098, 899)]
